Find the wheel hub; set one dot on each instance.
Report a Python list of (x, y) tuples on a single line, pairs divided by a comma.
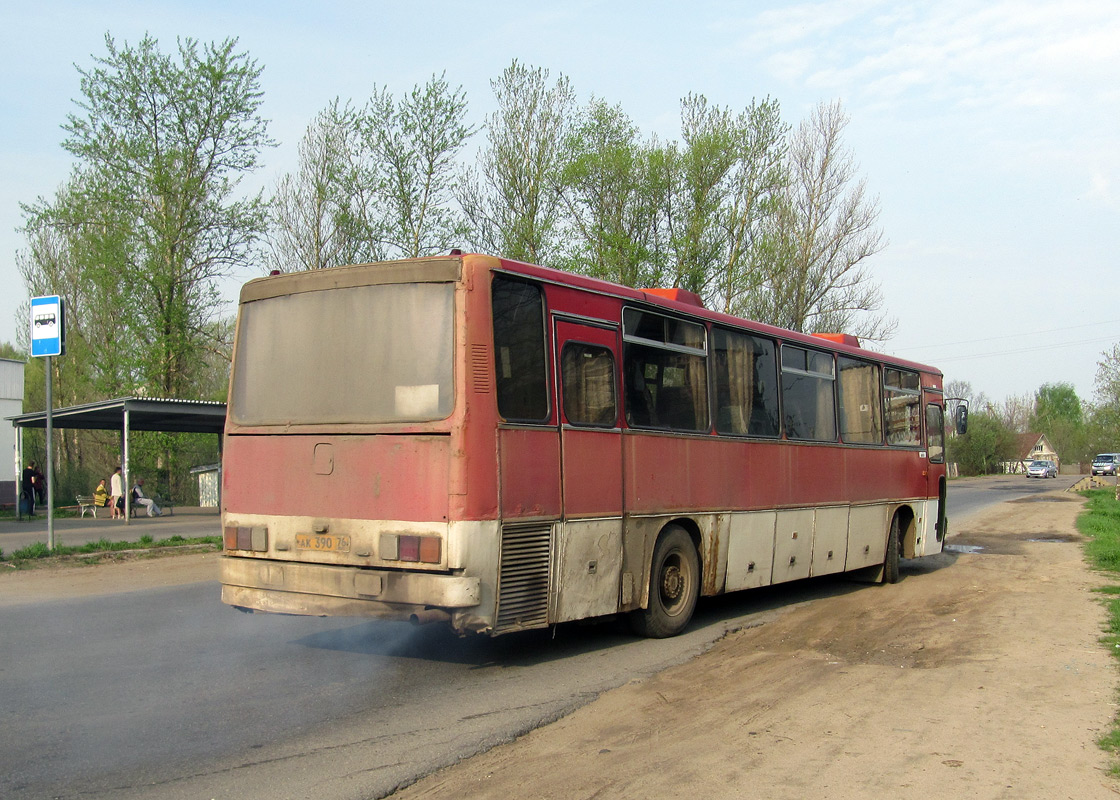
[(672, 583)]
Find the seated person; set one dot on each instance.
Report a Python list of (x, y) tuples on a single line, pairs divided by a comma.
[(139, 498), (101, 495)]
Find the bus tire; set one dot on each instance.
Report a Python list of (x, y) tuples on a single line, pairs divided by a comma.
[(894, 542), (674, 586)]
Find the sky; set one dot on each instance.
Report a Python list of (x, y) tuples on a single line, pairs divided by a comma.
[(989, 132)]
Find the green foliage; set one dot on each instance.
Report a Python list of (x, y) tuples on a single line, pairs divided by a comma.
[(136, 241), (611, 183), (38, 550), (512, 202), (988, 443), (33, 550), (1103, 425), (1058, 414), (151, 218), (1101, 524)]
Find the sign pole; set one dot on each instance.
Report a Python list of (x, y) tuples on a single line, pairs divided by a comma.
[(50, 462), (48, 338)]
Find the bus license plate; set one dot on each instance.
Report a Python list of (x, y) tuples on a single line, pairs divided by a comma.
[(323, 543)]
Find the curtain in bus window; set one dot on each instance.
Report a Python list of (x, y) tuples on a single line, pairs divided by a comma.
[(665, 389), (902, 403), (734, 378), (588, 381), (520, 361), (746, 399), (860, 415), (807, 392)]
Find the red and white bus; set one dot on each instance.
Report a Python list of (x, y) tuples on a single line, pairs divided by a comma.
[(501, 447)]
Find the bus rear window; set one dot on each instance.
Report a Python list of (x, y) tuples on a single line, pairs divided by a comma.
[(364, 354)]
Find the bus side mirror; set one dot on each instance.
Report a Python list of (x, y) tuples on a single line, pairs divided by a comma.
[(962, 420)]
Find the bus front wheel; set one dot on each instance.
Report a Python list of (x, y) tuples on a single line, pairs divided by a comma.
[(674, 585), (894, 542)]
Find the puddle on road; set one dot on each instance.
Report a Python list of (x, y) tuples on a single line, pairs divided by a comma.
[(1007, 544)]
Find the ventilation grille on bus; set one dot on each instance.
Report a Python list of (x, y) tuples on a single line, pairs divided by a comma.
[(480, 368), (523, 580)]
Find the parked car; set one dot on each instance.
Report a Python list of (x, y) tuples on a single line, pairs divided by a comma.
[(1105, 464), (1042, 469)]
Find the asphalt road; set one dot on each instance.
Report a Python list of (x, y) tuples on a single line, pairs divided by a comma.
[(169, 694)]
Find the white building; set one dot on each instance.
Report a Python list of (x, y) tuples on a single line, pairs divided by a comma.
[(11, 405)]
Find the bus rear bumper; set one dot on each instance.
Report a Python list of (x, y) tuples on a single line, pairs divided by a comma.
[(285, 587)]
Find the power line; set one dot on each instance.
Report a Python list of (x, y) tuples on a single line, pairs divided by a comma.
[(1033, 349), (1013, 336)]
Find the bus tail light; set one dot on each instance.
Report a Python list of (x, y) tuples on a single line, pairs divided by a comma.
[(415, 549), (243, 537)]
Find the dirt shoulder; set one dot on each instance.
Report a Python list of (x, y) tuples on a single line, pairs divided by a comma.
[(980, 675)]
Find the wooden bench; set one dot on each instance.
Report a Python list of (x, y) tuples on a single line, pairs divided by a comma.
[(85, 503)]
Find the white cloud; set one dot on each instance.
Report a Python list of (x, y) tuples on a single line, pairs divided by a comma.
[(994, 55)]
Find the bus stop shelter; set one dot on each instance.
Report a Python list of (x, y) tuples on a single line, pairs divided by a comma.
[(127, 414)]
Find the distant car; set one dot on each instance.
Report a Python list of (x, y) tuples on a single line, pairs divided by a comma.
[(1042, 469), (1105, 464)]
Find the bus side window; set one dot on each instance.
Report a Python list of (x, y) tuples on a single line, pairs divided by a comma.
[(935, 432), (520, 360), (902, 402), (809, 404), (587, 373), (861, 417), (746, 388), (665, 365)]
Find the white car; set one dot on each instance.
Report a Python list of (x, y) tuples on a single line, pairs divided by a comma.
[(1042, 469), (1105, 464)]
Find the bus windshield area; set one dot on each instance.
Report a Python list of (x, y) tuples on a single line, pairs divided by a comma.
[(364, 354)]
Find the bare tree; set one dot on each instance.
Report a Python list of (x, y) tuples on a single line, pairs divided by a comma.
[(1016, 411), (310, 209), (824, 232)]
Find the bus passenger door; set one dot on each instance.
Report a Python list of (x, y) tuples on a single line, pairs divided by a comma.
[(936, 523), (589, 549)]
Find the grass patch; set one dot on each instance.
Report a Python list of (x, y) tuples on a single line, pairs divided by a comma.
[(1100, 522), (37, 554)]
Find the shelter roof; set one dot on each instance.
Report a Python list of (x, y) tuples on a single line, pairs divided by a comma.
[(144, 414)]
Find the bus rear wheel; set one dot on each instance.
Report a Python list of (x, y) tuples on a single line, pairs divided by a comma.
[(674, 585), (894, 543)]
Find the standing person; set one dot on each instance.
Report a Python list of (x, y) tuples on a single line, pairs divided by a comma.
[(140, 498), (27, 488), (116, 489), (40, 486)]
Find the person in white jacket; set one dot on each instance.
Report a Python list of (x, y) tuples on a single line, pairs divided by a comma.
[(116, 492)]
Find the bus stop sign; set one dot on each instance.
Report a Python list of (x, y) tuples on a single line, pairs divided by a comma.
[(47, 326)]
